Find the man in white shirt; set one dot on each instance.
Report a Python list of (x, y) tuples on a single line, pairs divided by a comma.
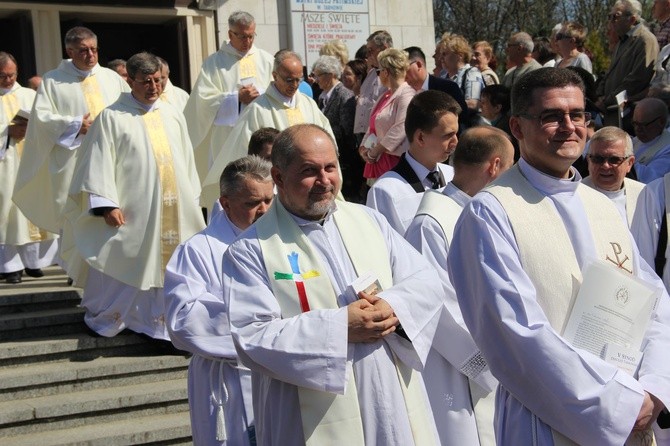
[(431, 127), (610, 158), (329, 365), (652, 141), (219, 388), (455, 366), (517, 257)]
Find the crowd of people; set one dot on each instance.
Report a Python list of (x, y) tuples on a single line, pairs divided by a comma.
[(229, 223)]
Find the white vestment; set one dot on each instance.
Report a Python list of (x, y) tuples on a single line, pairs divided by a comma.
[(197, 321), (213, 106), (268, 110), (454, 358), (652, 159), (119, 163), (625, 199), (310, 350), (545, 382), (396, 199), (174, 96), (52, 139), (22, 244)]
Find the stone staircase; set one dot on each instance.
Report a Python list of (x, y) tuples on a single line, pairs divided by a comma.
[(60, 385)]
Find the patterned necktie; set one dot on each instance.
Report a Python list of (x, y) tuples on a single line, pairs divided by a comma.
[(435, 180)]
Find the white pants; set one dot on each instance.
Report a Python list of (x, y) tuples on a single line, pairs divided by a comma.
[(32, 255)]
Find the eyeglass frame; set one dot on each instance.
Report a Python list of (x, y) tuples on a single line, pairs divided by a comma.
[(86, 50), (614, 161), (243, 36), (587, 118), (6, 77), (645, 124)]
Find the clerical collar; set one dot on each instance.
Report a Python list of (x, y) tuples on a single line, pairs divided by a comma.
[(548, 184), (146, 107), (4, 91), (81, 73), (236, 231), (290, 102), (612, 194), (239, 53)]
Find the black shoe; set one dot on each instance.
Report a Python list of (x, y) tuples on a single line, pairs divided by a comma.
[(70, 281), (34, 272), (14, 277)]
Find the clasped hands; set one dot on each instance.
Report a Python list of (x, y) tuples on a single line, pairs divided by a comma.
[(370, 319)]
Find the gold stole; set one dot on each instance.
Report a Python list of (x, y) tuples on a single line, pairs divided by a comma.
[(557, 282), (169, 232), (92, 95), (328, 418), (11, 105), (247, 66), (294, 115)]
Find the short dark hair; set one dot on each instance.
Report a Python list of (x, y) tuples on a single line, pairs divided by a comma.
[(359, 67), (478, 144), (284, 147), (498, 94), (426, 109), (261, 137), (414, 52), (143, 63), (523, 89), (112, 64)]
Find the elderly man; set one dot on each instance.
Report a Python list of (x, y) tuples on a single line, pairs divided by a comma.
[(219, 389), (119, 65), (133, 200), (280, 107), (431, 126), (652, 143), (69, 99), (325, 358), (170, 93), (632, 66), (515, 276), (455, 366), (371, 88), (610, 158), (22, 244), (229, 80), (519, 50), (661, 13)]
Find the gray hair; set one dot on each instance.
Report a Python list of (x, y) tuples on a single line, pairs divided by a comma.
[(631, 7), (329, 65), (6, 57), (612, 134), (241, 18), (143, 63), (77, 34), (112, 64), (284, 147), (251, 166), (523, 39), (283, 55), (381, 39)]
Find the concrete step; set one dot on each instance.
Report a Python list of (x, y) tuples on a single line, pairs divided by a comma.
[(74, 409), (39, 379), (168, 429), (42, 323)]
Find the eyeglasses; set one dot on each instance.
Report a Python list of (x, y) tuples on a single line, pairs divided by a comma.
[(85, 51), (556, 118), (6, 77), (290, 80), (616, 16), (645, 124), (611, 160), (242, 36), (149, 81)]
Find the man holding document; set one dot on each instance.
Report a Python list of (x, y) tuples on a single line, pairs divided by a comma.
[(521, 251), (329, 365)]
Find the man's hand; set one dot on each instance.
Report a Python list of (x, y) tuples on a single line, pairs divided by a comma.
[(368, 322), (85, 124), (651, 407), (247, 94), (114, 218), (18, 131)]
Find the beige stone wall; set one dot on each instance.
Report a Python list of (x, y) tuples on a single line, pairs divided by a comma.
[(408, 28)]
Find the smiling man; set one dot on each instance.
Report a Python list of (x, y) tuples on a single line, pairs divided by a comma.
[(133, 200), (280, 107), (70, 98), (517, 255), (326, 362), (610, 158)]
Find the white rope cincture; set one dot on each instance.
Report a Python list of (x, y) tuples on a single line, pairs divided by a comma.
[(221, 434)]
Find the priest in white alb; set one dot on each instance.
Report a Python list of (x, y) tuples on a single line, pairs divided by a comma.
[(23, 246), (455, 366), (219, 388), (170, 93), (228, 81), (133, 199), (280, 107), (67, 102), (517, 258), (330, 366)]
